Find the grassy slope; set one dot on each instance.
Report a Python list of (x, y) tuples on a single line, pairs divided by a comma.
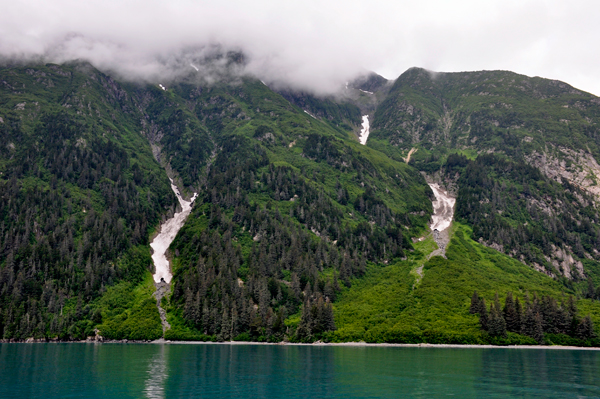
[(129, 311), (383, 306)]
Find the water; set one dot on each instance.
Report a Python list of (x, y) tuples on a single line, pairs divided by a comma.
[(256, 371)]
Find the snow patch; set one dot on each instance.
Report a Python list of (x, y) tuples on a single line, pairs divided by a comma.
[(364, 91), (167, 234), (195, 67), (310, 114), (162, 87), (364, 133), (443, 208)]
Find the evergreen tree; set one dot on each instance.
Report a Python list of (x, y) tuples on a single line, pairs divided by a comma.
[(328, 320), (475, 303), (511, 316), (483, 315), (496, 323), (562, 320), (528, 322), (538, 331), (585, 329), (591, 292), (519, 311)]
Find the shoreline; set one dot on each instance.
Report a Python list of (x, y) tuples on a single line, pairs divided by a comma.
[(315, 344)]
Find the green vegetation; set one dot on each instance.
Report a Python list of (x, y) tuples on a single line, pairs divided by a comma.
[(129, 312), (384, 307), (285, 217), (298, 232), (523, 213), (537, 318), (497, 111), (79, 193), (343, 116)]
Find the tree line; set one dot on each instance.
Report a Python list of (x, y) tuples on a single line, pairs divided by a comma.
[(534, 318)]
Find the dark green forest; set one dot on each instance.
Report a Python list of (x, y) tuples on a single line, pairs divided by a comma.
[(298, 233)]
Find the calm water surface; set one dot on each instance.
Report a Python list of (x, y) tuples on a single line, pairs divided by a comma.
[(254, 371)]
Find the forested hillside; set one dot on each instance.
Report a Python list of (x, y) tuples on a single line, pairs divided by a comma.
[(79, 195), (517, 210), (291, 211), (298, 232)]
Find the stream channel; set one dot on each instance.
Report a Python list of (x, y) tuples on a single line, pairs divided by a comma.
[(443, 213), (364, 133), (160, 245)]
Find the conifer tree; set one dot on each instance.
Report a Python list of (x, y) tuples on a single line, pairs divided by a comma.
[(585, 329), (474, 308), (511, 316), (562, 320), (483, 315), (538, 331), (328, 320), (496, 322), (528, 322)]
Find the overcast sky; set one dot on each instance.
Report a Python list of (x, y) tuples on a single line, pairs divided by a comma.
[(314, 44)]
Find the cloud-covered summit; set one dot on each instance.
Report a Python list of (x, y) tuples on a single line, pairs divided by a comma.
[(312, 44)]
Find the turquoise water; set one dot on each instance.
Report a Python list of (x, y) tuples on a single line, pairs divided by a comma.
[(255, 371)]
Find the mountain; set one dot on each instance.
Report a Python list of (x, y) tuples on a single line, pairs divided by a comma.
[(298, 231), (536, 197)]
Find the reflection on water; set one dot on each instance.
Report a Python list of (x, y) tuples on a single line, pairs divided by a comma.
[(254, 371), (157, 374)]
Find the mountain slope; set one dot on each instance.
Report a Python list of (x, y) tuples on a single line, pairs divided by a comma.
[(528, 123), (288, 207), (79, 194), (297, 230), (388, 306), (487, 110)]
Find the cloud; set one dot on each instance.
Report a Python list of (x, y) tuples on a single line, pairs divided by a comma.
[(312, 44)]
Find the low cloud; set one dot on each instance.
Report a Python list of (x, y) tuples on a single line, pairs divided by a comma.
[(312, 45)]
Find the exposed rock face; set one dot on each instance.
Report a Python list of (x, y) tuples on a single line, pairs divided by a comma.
[(162, 289), (578, 168), (564, 262), (96, 338)]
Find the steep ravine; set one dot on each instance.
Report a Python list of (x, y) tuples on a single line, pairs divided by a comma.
[(364, 133), (443, 213), (160, 245)]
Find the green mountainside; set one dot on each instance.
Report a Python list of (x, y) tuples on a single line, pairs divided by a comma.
[(488, 111), (79, 194), (536, 198), (298, 232)]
